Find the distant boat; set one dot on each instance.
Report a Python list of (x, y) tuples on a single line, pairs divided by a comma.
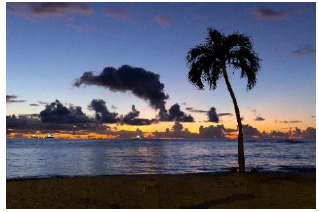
[(49, 136)]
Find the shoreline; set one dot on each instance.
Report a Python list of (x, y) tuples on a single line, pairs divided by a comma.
[(289, 170), (201, 190)]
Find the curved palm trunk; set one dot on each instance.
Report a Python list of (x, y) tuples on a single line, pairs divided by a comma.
[(241, 155)]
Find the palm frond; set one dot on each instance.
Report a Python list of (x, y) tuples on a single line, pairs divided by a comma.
[(206, 60)]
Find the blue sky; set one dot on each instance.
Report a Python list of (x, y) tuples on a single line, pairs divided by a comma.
[(47, 52)]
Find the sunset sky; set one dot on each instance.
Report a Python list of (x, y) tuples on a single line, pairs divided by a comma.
[(49, 46)]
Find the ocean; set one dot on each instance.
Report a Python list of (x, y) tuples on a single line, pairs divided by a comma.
[(33, 158)]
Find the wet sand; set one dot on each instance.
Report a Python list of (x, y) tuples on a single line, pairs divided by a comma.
[(228, 190)]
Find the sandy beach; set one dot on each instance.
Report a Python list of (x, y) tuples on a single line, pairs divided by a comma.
[(228, 190)]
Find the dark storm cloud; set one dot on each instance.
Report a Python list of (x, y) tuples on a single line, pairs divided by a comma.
[(33, 123), (14, 122), (305, 50), (33, 105), (268, 14), (259, 118), (117, 13), (142, 83), (56, 112), (13, 99), (131, 118), (42, 9), (102, 113), (212, 115), (162, 20), (174, 114)]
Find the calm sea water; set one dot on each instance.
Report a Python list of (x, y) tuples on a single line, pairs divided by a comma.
[(48, 158)]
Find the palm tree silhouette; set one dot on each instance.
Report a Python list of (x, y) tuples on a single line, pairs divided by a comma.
[(208, 62)]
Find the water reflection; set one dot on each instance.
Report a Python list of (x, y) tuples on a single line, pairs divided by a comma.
[(30, 158)]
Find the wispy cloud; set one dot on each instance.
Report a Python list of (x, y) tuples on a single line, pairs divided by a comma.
[(304, 50), (118, 13), (33, 105), (224, 114), (259, 118), (79, 28), (163, 20), (13, 99), (193, 110), (288, 122), (269, 14), (43, 103), (31, 10)]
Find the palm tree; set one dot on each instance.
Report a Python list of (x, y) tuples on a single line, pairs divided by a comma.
[(208, 62)]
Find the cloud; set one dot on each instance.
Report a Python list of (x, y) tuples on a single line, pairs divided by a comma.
[(142, 83), (304, 50), (79, 28), (13, 99), (113, 107), (288, 122), (131, 118), (118, 13), (10, 9), (56, 112), (32, 123), (212, 115), (259, 118), (212, 132), (193, 110), (43, 103), (177, 132), (34, 105), (309, 133), (46, 9), (250, 132), (102, 113), (224, 114), (177, 127), (163, 20), (174, 114), (268, 14)]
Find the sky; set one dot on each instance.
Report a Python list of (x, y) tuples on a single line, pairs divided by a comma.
[(49, 46)]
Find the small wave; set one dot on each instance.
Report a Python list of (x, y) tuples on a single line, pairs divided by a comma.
[(297, 169)]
